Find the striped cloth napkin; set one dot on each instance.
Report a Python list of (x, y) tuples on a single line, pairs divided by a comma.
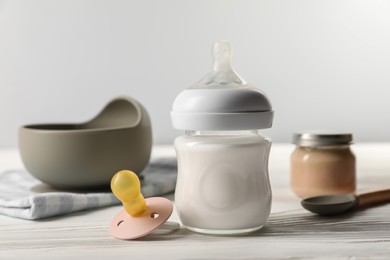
[(23, 196)]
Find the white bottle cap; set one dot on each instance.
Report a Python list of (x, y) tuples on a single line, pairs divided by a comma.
[(222, 100)]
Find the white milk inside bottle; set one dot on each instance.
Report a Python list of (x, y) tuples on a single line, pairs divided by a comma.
[(223, 185)]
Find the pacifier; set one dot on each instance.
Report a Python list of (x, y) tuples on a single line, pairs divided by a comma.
[(140, 216)]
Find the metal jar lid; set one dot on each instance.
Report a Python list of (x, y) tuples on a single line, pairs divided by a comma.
[(321, 138)]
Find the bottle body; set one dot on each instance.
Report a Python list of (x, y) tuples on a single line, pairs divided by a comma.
[(223, 185), (324, 170)]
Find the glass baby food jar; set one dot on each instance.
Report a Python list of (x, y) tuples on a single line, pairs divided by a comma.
[(322, 164), (223, 185)]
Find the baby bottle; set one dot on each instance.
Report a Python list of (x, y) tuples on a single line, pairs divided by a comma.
[(223, 185)]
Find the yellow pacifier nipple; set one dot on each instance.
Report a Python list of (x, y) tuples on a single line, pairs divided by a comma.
[(127, 188)]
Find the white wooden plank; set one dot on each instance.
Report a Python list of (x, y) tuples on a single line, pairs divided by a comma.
[(290, 232)]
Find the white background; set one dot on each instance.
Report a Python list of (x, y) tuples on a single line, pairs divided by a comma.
[(324, 64)]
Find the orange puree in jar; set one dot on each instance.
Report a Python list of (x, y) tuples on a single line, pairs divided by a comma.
[(322, 164)]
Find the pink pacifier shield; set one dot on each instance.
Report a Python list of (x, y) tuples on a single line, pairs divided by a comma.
[(125, 226)]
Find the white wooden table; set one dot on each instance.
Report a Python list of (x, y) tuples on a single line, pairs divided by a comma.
[(290, 232)]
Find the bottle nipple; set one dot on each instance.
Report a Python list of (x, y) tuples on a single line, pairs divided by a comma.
[(222, 54), (127, 188), (222, 75)]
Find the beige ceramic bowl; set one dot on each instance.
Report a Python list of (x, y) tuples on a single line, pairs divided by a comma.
[(79, 156)]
